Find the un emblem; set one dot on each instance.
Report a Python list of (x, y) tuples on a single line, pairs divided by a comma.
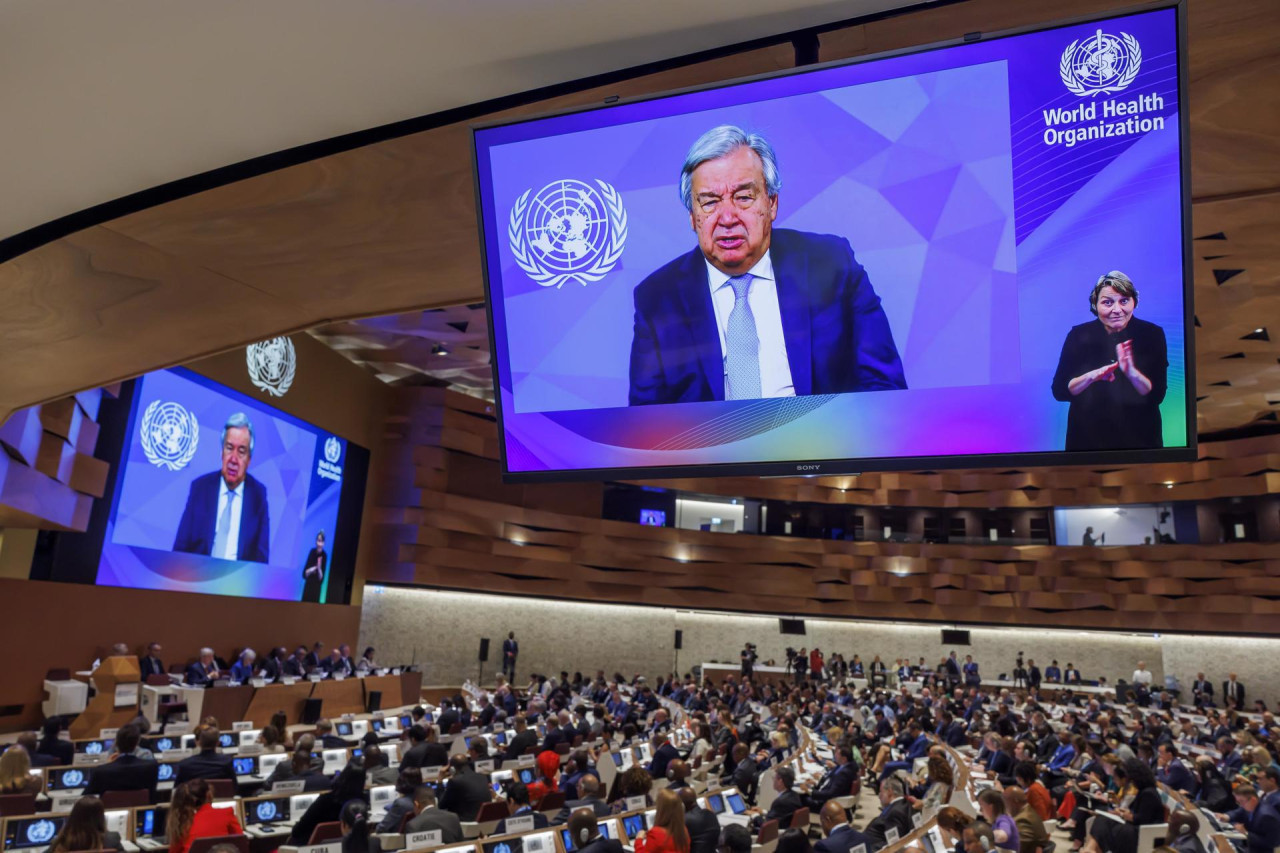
[(332, 450), (169, 435), (569, 230), (272, 365), (73, 779), (41, 832), (1100, 64), (266, 810)]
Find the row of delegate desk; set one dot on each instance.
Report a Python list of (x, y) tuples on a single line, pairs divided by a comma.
[(255, 702), (773, 674), (268, 818)]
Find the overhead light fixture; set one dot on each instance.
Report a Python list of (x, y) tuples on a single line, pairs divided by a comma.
[(439, 349)]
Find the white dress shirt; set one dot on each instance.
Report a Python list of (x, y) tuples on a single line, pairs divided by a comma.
[(231, 552), (1142, 676), (762, 297)]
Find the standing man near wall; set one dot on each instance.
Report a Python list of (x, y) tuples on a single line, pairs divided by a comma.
[(510, 648)]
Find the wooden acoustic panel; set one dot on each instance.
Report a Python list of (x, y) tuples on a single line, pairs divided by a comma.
[(49, 476), (459, 527), (390, 227)]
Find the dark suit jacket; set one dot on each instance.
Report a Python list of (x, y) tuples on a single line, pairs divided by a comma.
[(704, 830), (664, 756), (1227, 694), (836, 784), (150, 666), (520, 742), (837, 336), (465, 793), (603, 845), (205, 765), (196, 675), (425, 754), (896, 815), (600, 807), (433, 818), (125, 773), (783, 808), (844, 839), (200, 519)]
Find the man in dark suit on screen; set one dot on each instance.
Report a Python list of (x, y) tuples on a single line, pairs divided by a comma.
[(753, 312), (226, 514)]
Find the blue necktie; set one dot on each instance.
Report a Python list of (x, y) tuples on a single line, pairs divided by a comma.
[(224, 527), (742, 345)]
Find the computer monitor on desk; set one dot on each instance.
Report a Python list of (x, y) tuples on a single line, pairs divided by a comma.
[(33, 832), (246, 765), (266, 810), (68, 778), (149, 822)]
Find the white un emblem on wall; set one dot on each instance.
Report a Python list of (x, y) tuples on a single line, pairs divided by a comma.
[(1100, 64), (569, 230), (332, 450), (272, 365), (169, 435)]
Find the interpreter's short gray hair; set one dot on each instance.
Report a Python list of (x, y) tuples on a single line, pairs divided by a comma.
[(720, 142), (239, 419)]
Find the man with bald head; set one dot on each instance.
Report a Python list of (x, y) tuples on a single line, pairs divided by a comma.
[(703, 826), (678, 774), (1031, 832), (840, 836), (586, 834)]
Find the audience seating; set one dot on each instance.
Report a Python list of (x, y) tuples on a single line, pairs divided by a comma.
[(489, 815), (124, 799), (325, 832), (204, 845), (800, 819), (767, 839), (17, 804)]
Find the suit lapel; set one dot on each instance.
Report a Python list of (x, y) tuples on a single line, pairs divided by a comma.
[(790, 277), (701, 315)]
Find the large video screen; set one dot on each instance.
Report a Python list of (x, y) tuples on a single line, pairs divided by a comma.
[(215, 492), (970, 254)]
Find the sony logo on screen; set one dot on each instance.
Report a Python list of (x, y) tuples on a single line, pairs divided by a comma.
[(1101, 64), (808, 467)]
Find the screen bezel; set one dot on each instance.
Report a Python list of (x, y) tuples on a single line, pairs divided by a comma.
[(855, 465), (77, 557)]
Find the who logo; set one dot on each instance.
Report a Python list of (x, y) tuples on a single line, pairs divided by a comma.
[(1101, 64)]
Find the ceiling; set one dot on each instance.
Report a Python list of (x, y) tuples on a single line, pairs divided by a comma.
[(388, 227), (105, 99)]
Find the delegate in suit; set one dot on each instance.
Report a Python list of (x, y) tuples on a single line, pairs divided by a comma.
[(226, 514), (752, 312)]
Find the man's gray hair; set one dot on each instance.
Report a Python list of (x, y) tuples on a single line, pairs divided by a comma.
[(239, 419), (895, 787), (720, 142)]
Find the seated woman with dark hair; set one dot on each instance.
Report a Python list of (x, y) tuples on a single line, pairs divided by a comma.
[(85, 829), (327, 808), (1145, 809)]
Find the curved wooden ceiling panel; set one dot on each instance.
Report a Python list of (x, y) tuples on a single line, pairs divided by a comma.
[(391, 227)]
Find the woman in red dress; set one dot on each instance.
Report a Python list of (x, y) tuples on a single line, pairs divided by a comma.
[(668, 834)]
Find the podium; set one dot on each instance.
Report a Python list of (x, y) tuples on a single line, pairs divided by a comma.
[(118, 684)]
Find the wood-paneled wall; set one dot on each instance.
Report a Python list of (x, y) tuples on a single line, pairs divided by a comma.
[(451, 523), (65, 625)]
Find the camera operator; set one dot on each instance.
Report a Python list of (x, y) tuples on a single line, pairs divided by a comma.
[(748, 659)]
